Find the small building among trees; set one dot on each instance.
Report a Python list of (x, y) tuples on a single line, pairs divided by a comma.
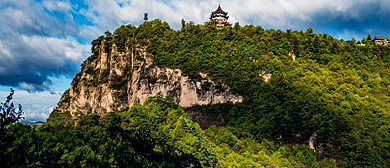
[(381, 40), (219, 16)]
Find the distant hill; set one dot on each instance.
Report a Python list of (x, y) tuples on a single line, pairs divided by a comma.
[(31, 123)]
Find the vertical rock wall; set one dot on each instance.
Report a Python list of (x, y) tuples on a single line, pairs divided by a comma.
[(112, 81)]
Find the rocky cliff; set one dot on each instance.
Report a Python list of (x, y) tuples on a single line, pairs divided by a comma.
[(110, 81)]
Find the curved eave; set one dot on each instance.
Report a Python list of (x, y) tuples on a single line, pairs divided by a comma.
[(215, 12)]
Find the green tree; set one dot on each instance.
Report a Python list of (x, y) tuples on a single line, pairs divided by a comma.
[(8, 112), (183, 24), (369, 37)]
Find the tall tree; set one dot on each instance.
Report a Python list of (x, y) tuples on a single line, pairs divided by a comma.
[(183, 24), (8, 112), (145, 16)]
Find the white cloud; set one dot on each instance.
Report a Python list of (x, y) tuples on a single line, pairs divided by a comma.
[(36, 43), (26, 86), (282, 14), (47, 18), (89, 32), (34, 58), (56, 47), (43, 51), (22, 3), (36, 106), (54, 5)]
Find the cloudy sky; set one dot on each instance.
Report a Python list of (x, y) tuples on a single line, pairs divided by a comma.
[(43, 42)]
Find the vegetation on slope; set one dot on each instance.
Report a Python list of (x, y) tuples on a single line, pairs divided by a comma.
[(156, 134), (335, 93)]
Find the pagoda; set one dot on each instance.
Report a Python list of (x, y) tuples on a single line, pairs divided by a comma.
[(219, 16)]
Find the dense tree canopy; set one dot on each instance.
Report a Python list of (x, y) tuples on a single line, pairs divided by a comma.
[(333, 92), (156, 134)]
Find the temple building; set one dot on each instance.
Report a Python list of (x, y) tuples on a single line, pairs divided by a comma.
[(219, 16), (381, 40)]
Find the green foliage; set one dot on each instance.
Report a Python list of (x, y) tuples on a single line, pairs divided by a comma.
[(104, 75), (335, 92), (247, 152), (60, 118), (96, 44), (122, 36), (17, 145), (89, 70), (334, 89), (117, 82), (157, 134), (8, 112)]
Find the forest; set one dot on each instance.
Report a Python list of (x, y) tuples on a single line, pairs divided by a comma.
[(330, 92)]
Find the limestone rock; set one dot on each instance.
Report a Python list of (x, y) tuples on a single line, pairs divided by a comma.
[(116, 80)]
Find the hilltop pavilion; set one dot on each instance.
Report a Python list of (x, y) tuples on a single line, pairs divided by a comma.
[(219, 16)]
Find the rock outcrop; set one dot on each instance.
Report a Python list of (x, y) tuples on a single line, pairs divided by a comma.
[(110, 81)]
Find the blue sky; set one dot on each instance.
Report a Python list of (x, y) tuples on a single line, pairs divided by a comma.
[(43, 42)]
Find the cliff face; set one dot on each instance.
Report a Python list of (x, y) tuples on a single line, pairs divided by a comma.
[(110, 81)]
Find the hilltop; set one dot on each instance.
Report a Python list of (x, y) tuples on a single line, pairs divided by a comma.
[(277, 98), (320, 88)]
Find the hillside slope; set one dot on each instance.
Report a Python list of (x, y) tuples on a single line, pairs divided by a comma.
[(330, 94), (111, 81)]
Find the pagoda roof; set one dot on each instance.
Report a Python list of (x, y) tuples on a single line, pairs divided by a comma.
[(219, 10), (381, 38)]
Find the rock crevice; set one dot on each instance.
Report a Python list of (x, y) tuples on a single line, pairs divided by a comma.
[(116, 80)]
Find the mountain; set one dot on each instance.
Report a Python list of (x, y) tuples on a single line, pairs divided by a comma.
[(278, 98), (111, 81), (31, 123)]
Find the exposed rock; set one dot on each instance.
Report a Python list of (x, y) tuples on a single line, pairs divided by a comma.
[(312, 140), (205, 120), (266, 76), (116, 80), (292, 55)]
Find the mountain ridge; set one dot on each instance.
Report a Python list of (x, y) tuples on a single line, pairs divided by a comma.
[(297, 88), (116, 80)]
